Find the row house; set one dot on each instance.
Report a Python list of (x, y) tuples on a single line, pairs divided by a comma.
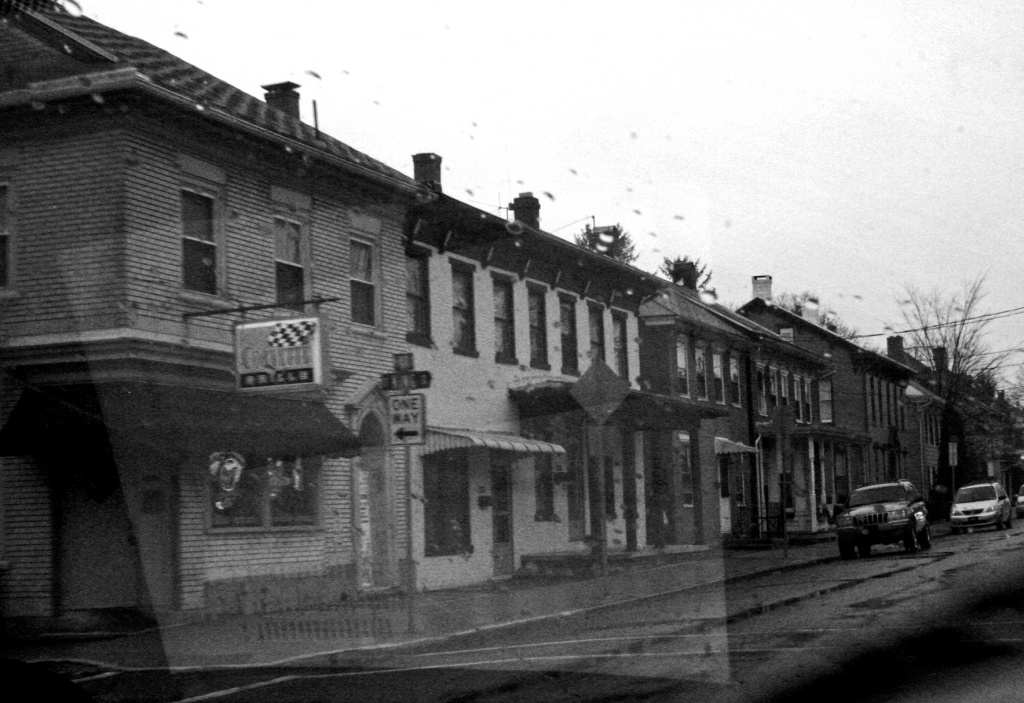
[(702, 350), (538, 444), (197, 290), (857, 430)]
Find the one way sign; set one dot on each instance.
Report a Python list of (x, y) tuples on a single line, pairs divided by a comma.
[(408, 418)]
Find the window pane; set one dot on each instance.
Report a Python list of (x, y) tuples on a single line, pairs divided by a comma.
[(596, 319), (718, 371), (464, 337), (567, 322), (682, 366), (290, 288), (700, 363), (292, 490), (362, 303), (236, 492), (538, 328), (361, 262), (196, 216), (446, 509), (734, 380), (416, 295), (361, 285), (504, 328), (288, 241), (199, 266), (619, 331), (544, 487)]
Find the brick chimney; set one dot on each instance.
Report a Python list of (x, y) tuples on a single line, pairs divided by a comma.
[(762, 287), (526, 209), (894, 347), (283, 97), (426, 169), (685, 273)]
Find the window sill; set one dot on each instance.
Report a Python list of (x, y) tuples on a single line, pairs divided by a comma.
[(364, 331), (227, 531), (419, 339), (506, 360), (540, 366), (570, 372), (199, 298), (472, 353)]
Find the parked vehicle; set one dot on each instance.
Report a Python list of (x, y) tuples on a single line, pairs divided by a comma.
[(981, 504), (884, 513), (1019, 502)]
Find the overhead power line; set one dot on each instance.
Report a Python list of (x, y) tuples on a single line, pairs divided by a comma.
[(987, 316)]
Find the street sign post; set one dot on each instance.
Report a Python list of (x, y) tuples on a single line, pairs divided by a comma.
[(405, 381)]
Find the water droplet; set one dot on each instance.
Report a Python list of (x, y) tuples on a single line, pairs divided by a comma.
[(549, 196), (288, 149), (97, 98), (67, 49), (72, 8), (483, 215), (424, 196), (181, 35), (727, 224), (637, 212), (652, 234), (573, 172), (514, 227), (632, 135), (469, 192), (37, 105), (474, 124), (200, 107), (519, 183), (678, 217), (314, 74), (709, 297)]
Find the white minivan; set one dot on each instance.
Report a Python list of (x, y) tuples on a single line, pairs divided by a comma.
[(981, 504)]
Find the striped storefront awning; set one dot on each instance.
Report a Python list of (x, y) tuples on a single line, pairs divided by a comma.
[(440, 439), (727, 446)]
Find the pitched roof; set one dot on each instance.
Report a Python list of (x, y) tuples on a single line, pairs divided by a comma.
[(182, 79)]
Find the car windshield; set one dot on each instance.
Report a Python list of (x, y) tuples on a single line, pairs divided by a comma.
[(877, 494), (973, 494)]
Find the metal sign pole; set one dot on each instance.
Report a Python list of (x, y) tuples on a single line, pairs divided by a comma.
[(410, 568)]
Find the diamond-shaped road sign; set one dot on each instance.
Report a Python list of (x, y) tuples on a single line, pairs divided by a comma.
[(600, 391)]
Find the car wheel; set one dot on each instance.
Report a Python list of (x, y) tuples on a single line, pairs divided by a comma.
[(910, 539), (846, 550), (925, 538), (864, 550)]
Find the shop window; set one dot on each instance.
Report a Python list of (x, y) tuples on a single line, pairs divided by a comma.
[(288, 263), (595, 317), (682, 366), (620, 341), (463, 310), (717, 372), (5, 236), (446, 508), (568, 333), (544, 487), (504, 322), (734, 381), (362, 283), (417, 298), (684, 466), (536, 297), (270, 493), (199, 242), (701, 370)]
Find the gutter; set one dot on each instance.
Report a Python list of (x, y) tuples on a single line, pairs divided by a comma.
[(132, 79)]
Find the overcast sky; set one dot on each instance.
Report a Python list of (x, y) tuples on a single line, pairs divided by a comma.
[(846, 148)]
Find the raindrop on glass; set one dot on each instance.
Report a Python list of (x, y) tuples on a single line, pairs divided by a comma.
[(181, 35), (514, 227), (200, 107), (97, 98), (727, 224), (637, 212), (469, 192), (709, 297), (632, 135), (314, 74), (72, 8), (678, 217), (548, 195), (573, 172)]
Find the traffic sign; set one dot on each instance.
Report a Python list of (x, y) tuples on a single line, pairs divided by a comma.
[(408, 418), (405, 381)]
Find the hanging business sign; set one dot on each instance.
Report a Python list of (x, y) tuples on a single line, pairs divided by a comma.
[(279, 354)]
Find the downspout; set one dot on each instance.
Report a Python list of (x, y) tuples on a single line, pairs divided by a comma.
[(760, 488)]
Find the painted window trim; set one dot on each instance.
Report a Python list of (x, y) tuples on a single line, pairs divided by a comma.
[(305, 254), (541, 290), (464, 268), (216, 194), (508, 283), (423, 338)]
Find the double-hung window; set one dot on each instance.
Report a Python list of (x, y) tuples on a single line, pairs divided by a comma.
[(734, 380), (620, 341), (5, 236), (797, 385), (825, 400), (536, 298), (362, 282), (463, 310), (417, 298), (289, 271), (700, 360), (718, 376), (567, 329), (805, 397), (504, 321), (682, 366), (595, 317), (784, 388), (773, 397), (199, 242)]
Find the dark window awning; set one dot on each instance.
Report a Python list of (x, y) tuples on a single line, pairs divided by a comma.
[(728, 446), (441, 439), (172, 417)]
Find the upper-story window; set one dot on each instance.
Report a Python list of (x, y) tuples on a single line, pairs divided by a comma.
[(289, 271), (773, 390), (504, 321), (682, 366), (825, 400), (417, 298), (595, 317), (536, 299), (463, 309), (567, 325), (805, 398), (718, 374), (199, 242), (5, 235), (762, 394), (734, 381), (797, 385), (871, 396), (784, 388), (620, 337), (362, 282), (700, 370)]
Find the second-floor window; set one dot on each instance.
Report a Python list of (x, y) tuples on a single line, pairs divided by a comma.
[(773, 397), (796, 398), (620, 339), (362, 283), (288, 269), (595, 316), (567, 325), (700, 371), (417, 298), (199, 243), (734, 380), (682, 366), (504, 322), (537, 301), (718, 374), (784, 388), (463, 310), (805, 398), (825, 400), (762, 395), (5, 236)]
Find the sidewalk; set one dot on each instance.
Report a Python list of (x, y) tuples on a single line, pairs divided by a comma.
[(374, 626)]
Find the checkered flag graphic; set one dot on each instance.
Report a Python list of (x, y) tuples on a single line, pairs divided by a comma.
[(290, 334)]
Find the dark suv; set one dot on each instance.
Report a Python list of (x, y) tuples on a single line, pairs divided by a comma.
[(884, 513)]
